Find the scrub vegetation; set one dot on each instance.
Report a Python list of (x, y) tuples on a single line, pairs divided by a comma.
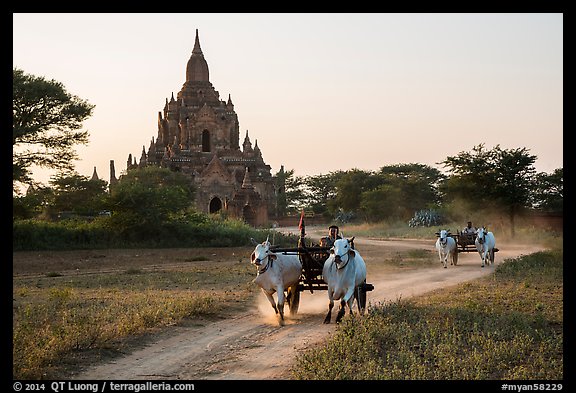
[(507, 325), (58, 317)]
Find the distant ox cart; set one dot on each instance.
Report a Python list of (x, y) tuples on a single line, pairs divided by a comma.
[(465, 242)]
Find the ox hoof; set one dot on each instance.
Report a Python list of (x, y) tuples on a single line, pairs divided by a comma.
[(445, 267), (326, 321)]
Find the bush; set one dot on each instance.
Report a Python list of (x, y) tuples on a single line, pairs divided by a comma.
[(426, 218), (191, 230)]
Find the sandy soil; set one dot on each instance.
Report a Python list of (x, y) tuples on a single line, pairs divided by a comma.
[(251, 345)]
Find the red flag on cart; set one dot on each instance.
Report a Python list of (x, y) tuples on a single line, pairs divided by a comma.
[(302, 225)]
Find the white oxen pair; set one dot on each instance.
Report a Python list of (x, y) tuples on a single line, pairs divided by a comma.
[(345, 272), (446, 246), (485, 244), (277, 273)]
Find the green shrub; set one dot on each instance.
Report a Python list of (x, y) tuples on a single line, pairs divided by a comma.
[(191, 230)]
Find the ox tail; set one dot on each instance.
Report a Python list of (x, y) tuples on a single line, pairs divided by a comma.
[(360, 296)]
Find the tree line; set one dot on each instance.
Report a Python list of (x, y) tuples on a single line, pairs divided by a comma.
[(503, 179)]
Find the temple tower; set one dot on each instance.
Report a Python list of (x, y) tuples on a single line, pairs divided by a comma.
[(198, 135)]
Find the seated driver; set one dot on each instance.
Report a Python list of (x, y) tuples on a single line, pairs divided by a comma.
[(469, 229), (333, 234)]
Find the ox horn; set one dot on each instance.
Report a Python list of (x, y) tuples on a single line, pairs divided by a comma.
[(253, 241)]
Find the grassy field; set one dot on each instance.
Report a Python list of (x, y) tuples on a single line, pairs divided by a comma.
[(506, 326), (74, 308), (89, 304)]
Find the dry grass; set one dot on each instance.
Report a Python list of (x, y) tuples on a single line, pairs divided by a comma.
[(506, 326), (77, 306), (71, 302)]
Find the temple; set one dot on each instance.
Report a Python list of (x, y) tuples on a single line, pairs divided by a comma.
[(199, 136)]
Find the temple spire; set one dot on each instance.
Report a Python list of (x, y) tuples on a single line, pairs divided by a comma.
[(197, 45), (113, 179), (247, 145), (197, 68), (94, 175)]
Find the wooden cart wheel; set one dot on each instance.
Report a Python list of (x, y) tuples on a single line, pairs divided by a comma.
[(293, 299)]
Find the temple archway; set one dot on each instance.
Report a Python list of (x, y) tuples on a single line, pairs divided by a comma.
[(215, 205), (249, 215)]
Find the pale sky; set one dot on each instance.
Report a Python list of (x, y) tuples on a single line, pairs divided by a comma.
[(319, 92)]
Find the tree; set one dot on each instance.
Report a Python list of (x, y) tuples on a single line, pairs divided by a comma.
[(321, 189), (78, 194), (417, 184), (384, 202), (549, 193), (292, 196), (472, 173), (46, 125), (514, 180), (145, 198), (33, 203), (350, 187), (492, 178)]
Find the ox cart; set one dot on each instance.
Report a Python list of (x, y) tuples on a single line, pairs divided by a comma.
[(312, 258), (465, 242)]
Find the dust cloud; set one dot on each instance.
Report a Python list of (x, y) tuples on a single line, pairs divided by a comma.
[(310, 304)]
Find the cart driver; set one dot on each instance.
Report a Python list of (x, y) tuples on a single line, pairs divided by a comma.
[(333, 234), (469, 229)]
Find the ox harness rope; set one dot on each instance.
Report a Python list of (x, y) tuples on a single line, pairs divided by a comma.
[(268, 265), (344, 265)]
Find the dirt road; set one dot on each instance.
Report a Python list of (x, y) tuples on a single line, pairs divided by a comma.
[(252, 345)]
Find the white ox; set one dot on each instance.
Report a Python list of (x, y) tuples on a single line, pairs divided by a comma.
[(344, 271), (485, 244), (276, 273), (446, 246)]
